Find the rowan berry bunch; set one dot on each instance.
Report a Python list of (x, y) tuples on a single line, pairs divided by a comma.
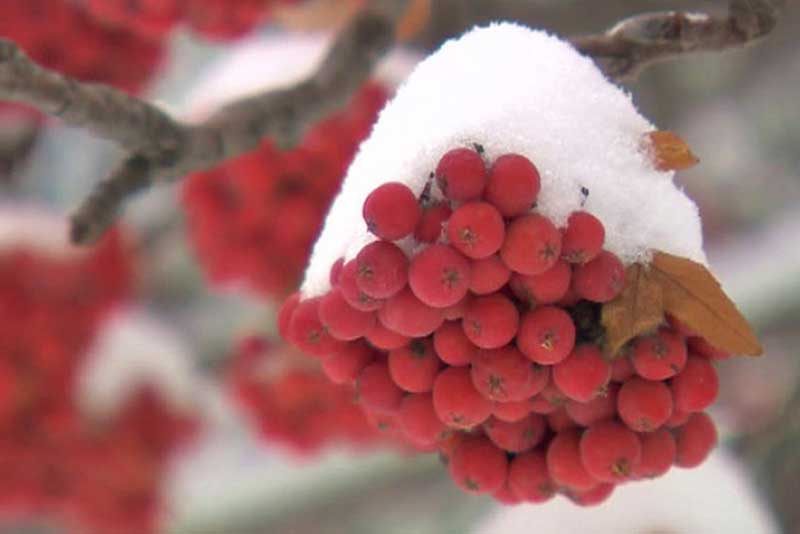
[(254, 219), (60, 35), (155, 19), (294, 403), (480, 325)]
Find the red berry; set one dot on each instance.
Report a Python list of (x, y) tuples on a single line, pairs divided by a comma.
[(488, 275), (701, 347), (344, 365), (659, 356), (546, 335), (559, 421), (478, 466), (610, 451), (458, 404), (519, 436), (680, 327), (430, 226), (546, 288), (601, 407), (540, 378), (452, 345), (342, 320), (583, 238), (621, 368), (658, 454), (550, 395), (382, 338), (348, 284), (285, 315), (695, 440), (529, 478), (418, 420), (532, 245), (336, 272), (490, 322), (476, 229), (601, 279), (506, 496), (439, 276), (677, 419), (382, 269), (513, 185), (583, 374), (391, 211), (502, 374), (307, 333), (644, 405), (376, 390), (564, 462), (597, 495), (407, 315), (456, 311), (696, 387), (414, 367), (511, 411), (461, 174)]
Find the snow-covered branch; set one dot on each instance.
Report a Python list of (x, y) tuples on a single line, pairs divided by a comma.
[(636, 42)]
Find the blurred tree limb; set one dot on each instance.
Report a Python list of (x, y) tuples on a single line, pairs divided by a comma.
[(161, 148)]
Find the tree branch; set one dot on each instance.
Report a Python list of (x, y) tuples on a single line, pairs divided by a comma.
[(639, 41), (161, 148), (105, 111)]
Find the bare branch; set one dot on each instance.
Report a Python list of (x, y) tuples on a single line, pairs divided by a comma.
[(283, 115), (639, 41), (105, 111)]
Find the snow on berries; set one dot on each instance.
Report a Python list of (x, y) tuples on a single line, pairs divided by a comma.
[(502, 297)]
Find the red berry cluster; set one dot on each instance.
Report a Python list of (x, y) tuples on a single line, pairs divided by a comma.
[(155, 19), (100, 476), (59, 35), (293, 402), (486, 342), (254, 218)]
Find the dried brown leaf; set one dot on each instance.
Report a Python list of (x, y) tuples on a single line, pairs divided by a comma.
[(695, 297), (637, 310), (668, 151)]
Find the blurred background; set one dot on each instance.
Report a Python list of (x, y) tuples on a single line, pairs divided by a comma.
[(143, 386)]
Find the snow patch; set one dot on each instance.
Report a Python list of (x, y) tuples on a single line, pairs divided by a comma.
[(513, 89)]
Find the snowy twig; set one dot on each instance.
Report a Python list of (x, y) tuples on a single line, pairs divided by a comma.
[(636, 42), (163, 148)]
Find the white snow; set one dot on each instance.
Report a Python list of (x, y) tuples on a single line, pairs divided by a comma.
[(133, 350), (513, 89)]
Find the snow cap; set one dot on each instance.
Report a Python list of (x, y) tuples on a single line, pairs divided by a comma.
[(513, 89)]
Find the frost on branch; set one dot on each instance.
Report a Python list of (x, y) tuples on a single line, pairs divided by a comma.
[(555, 107)]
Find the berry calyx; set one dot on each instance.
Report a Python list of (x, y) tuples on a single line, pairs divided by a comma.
[(502, 374)]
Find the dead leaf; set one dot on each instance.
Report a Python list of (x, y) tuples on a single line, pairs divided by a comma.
[(668, 151), (414, 20), (637, 310), (695, 297)]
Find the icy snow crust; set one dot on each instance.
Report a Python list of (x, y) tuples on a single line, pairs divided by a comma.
[(513, 89)]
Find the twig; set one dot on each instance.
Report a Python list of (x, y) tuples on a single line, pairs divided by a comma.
[(639, 41), (161, 148)]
